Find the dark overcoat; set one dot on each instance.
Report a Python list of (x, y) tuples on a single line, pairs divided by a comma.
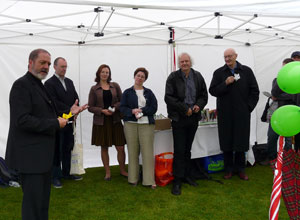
[(235, 103), (33, 127)]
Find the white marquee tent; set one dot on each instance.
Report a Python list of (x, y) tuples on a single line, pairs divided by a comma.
[(145, 33)]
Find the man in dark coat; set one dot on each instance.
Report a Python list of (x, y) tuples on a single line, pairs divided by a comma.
[(63, 92), (32, 135), (280, 98), (237, 94), (296, 57), (185, 96)]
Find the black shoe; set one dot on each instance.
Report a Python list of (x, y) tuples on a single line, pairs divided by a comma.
[(190, 181), (107, 178), (73, 177), (56, 183), (265, 163), (176, 189)]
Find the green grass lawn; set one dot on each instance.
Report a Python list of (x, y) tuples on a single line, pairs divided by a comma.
[(93, 199)]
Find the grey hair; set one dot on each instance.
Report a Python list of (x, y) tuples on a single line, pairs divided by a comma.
[(184, 53)]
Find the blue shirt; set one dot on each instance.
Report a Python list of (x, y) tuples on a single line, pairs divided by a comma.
[(190, 90)]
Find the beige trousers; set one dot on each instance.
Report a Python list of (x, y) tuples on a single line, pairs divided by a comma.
[(139, 138)]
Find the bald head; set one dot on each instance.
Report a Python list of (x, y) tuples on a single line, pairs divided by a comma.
[(230, 57)]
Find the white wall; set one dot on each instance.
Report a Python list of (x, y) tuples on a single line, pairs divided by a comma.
[(83, 62)]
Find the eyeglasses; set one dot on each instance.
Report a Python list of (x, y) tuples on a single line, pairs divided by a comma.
[(228, 56)]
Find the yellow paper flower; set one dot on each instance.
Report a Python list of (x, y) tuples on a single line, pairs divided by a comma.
[(67, 116)]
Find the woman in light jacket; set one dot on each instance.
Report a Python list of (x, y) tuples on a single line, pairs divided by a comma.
[(138, 105), (104, 103)]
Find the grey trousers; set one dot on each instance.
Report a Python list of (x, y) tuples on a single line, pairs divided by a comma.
[(139, 138)]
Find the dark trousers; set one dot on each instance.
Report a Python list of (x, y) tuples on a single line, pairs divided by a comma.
[(36, 195), (297, 142), (62, 157), (183, 136), (236, 164), (272, 143)]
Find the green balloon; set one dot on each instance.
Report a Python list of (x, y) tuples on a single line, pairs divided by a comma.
[(288, 78), (285, 121)]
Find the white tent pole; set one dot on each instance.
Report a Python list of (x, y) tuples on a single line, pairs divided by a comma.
[(188, 19), (25, 34), (79, 89), (219, 25), (42, 23), (137, 18), (10, 37), (98, 16), (125, 31), (63, 15), (57, 26), (197, 28), (107, 20), (287, 23), (55, 38), (245, 22), (11, 23), (195, 38), (13, 17), (87, 33), (185, 29), (265, 26), (144, 37), (211, 8)]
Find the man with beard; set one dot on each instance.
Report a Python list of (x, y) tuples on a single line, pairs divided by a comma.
[(237, 94), (32, 135)]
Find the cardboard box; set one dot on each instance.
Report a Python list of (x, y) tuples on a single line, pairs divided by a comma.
[(162, 124)]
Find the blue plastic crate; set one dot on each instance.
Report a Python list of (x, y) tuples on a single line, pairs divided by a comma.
[(213, 164)]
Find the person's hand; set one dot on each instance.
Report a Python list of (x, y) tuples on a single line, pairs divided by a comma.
[(62, 122), (84, 107), (189, 112), (196, 108), (136, 110), (75, 109), (229, 80), (138, 115), (106, 112)]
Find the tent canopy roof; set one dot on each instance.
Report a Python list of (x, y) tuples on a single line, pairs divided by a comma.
[(149, 22)]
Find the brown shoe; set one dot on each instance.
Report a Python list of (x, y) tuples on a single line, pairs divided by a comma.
[(228, 175), (243, 176)]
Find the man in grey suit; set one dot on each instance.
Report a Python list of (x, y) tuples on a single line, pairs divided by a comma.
[(34, 123)]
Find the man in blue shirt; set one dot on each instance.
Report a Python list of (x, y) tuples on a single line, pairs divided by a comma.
[(185, 96)]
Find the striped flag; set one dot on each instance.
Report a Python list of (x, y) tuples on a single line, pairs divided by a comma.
[(276, 190)]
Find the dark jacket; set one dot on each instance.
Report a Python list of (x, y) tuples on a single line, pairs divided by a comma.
[(96, 103), (281, 97), (129, 101), (33, 126), (235, 102), (175, 94), (296, 99), (63, 99)]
